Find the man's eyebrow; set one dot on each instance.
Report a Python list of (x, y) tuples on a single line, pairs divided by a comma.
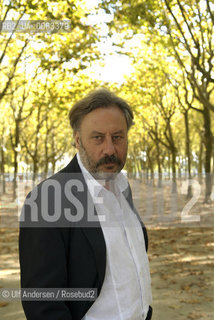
[(97, 132), (119, 132), (101, 133)]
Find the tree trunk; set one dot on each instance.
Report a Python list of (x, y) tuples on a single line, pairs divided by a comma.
[(169, 165), (173, 153), (208, 153), (179, 164), (200, 161), (15, 153), (139, 170), (15, 165), (159, 165), (35, 169), (46, 159), (53, 165), (3, 190), (188, 154), (143, 174), (174, 183)]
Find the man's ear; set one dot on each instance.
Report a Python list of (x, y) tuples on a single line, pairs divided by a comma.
[(77, 139)]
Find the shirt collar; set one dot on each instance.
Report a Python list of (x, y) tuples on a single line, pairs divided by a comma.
[(95, 186)]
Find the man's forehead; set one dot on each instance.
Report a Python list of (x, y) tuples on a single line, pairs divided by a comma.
[(102, 132), (104, 119), (114, 110)]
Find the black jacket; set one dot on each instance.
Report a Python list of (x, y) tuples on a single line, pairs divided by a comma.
[(62, 254)]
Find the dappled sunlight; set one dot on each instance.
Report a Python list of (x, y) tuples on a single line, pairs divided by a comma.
[(4, 274), (159, 57), (182, 271), (181, 264), (198, 260)]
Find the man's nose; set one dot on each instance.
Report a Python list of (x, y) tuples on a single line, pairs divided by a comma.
[(109, 147)]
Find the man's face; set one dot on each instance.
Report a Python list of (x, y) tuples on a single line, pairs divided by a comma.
[(102, 141)]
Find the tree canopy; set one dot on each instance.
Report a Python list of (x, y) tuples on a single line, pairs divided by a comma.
[(170, 46)]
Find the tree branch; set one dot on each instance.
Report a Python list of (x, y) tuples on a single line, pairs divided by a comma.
[(13, 71)]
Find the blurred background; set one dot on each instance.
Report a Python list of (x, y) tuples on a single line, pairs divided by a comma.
[(159, 56), (156, 55)]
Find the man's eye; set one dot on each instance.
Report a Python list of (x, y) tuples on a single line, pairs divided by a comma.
[(115, 138), (97, 138)]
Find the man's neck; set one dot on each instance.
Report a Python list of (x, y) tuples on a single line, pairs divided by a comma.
[(107, 185)]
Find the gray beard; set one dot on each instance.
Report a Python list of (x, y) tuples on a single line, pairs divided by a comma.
[(91, 167)]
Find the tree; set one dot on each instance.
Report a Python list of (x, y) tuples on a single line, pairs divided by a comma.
[(11, 49), (21, 111), (186, 30)]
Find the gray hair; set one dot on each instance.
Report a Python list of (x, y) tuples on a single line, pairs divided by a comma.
[(100, 98)]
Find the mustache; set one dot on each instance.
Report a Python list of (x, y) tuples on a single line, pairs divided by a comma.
[(108, 159)]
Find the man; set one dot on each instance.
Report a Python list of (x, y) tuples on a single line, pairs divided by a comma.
[(65, 242)]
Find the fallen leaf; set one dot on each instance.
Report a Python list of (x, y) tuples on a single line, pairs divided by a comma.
[(174, 306), (3, 304), (194, 316)]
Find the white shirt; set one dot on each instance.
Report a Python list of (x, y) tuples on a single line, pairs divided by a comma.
[(126, 291)]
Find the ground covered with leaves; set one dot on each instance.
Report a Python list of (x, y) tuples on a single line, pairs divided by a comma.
[(181, 263), (182, 270)]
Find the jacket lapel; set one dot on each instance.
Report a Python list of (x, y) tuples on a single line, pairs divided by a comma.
[(92, 230), (97, 242)]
